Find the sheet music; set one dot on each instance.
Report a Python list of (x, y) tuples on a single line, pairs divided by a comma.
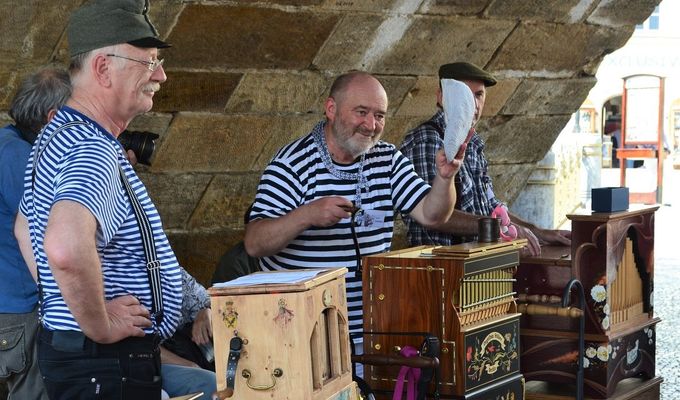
[(271, 278)]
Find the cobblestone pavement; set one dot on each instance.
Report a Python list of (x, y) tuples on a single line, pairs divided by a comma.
[(666, 285)]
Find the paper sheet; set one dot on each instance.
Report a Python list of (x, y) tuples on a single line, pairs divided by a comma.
[(459, 111), (270, 278)]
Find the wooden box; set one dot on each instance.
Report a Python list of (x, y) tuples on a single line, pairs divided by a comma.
[(295, 337), (462, 294), (612, 254)]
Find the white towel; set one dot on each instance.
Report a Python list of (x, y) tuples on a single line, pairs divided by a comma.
[(459, 111)]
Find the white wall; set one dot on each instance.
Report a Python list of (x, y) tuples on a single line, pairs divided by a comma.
[(655, 52)]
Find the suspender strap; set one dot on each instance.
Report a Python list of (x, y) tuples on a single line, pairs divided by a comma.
[(39, 150), (34, 168), (153, 266)]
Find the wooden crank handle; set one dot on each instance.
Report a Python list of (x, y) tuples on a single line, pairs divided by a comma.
[(414, 362), (539, 309)]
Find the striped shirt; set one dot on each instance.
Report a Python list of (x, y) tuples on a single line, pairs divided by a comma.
[(473, 184), (297, 175), (81, 164)]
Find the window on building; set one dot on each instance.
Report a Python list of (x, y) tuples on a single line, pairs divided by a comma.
[(584, 120), (652, 22)]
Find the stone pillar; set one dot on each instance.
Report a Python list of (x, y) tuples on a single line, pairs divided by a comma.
[(553, 188)]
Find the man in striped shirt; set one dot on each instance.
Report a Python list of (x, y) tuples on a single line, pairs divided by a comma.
[(110, 286), (301, 216)]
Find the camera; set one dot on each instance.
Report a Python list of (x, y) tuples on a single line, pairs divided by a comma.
[(141, 143)]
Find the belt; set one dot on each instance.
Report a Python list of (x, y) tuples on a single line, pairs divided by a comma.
[(74, 341)]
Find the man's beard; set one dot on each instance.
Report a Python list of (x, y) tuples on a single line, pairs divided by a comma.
[(343, 138)]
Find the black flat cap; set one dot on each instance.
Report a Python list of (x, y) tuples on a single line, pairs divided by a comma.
[(101, 23), (463, 71)]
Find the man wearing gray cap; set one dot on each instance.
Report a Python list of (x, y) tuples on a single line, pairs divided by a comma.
[(473, 183), (110, 286)]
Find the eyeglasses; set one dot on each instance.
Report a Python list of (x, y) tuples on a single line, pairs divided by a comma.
[(151, 65)]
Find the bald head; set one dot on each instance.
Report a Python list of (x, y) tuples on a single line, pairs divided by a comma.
[(344, 82)]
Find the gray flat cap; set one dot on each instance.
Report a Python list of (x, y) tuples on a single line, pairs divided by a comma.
[(101, 23)]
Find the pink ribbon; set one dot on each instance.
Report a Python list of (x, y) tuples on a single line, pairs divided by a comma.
[(412, 375)]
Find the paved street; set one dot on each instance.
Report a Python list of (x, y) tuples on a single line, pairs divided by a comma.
[(667, 285)]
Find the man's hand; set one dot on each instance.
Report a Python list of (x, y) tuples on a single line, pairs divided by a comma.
[(557, 236), (201, 330), (533, 245), (446, 169), (328, 211), (126, 317)]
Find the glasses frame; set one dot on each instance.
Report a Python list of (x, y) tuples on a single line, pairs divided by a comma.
[(150, 65)]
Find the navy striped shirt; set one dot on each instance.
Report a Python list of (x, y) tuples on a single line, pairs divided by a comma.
[(297, 175), (81, 164)]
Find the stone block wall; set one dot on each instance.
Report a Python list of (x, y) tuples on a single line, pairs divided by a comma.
[(245, 77)]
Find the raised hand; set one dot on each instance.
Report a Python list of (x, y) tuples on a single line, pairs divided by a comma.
[(446, 169)]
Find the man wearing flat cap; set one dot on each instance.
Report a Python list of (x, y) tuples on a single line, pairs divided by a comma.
[(110, 286), (473, 183)]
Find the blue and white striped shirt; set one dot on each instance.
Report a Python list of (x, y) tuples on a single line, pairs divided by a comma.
[(297, 175), (81, 164)]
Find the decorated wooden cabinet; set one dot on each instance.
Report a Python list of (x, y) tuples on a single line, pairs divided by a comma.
[(464, 295), (612, 255), (277, 340)]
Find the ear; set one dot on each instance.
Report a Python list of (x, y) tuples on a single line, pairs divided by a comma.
[(101, 69), (51, 114), (439, 95), (330, 108)]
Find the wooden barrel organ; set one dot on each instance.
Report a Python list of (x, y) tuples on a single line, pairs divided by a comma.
[(612, 254), (464, 295)]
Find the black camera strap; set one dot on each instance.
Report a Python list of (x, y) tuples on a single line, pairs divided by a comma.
[(153, 266)]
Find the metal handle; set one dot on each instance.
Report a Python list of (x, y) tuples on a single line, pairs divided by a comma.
[(277, 373)]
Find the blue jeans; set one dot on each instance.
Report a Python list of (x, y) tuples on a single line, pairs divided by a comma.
[(179, 380)]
